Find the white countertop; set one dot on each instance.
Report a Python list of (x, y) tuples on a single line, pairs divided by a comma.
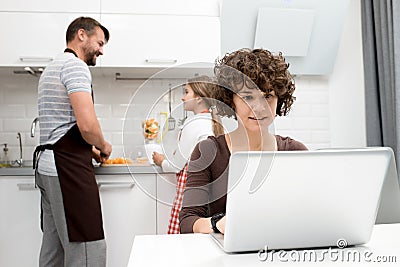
[(201, 250), (110, 170)]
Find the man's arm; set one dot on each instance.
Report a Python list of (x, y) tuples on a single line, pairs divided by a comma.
[(87, 122)]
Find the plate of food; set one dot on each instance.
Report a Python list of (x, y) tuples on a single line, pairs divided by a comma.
[(117, 162), (142, 160)]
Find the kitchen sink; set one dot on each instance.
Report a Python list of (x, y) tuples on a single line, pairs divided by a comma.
[(25, 164)]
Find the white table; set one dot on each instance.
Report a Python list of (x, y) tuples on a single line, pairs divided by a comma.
[(201, 250)]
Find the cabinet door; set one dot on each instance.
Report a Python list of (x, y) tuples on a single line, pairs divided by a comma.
[(20, 234), (129, 209), (33, 39), (160, 41), (92, 6), (171, 7), (166, 190)]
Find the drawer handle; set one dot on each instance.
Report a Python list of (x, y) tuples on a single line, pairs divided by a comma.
[(161, 60), (115, 185), (27, 187), (35, 59)]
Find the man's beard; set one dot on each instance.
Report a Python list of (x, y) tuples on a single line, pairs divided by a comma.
[(90, 58)]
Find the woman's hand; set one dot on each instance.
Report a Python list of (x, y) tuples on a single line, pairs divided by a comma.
[(203, 225), (158, 158), (221, 225)]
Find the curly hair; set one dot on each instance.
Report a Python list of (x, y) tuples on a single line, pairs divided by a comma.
[(253, 68)]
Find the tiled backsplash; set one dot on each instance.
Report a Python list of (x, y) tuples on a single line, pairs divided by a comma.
[(308, 120)]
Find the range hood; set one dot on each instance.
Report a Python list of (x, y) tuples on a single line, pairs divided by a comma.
[(126, 73), (137, 73)]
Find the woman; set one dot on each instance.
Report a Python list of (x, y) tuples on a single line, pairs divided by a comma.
[(254, 87), (197, 98)]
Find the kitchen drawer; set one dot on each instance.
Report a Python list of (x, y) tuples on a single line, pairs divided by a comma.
[(20, 222), (166, 190), (129, 209)]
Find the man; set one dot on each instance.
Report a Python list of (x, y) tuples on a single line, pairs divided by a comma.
[(70, 135)]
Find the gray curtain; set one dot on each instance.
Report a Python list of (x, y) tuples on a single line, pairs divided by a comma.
[(381, 52)]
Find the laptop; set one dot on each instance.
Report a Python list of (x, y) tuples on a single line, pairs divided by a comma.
[(303, 199)]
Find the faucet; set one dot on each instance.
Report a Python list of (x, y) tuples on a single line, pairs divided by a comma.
[(33, 126), (20, 160)]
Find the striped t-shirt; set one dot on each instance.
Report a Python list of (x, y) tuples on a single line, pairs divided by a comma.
[(67, 74)]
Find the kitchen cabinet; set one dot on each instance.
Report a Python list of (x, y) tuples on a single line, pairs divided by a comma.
[(153, 41), (162, 7), (166, 189), (129, 209), (33, 39), (20, 221), (128, 206), (91, 6), (160, 40), (172, 7)]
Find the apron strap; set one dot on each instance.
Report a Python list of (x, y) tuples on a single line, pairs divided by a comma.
[(38, 150)]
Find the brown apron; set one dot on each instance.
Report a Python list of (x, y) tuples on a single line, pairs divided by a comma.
[(73, 158)]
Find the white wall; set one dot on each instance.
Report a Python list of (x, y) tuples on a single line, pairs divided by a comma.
[(329, 111), (346, 86)]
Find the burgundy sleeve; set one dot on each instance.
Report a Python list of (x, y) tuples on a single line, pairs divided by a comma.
[(289, 144)]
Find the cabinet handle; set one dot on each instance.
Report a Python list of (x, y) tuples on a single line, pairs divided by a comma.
[(27, 187), (161, 60), (35, 59), (116, 185)]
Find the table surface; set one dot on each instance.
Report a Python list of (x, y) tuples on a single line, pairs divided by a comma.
[(200, 250)]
